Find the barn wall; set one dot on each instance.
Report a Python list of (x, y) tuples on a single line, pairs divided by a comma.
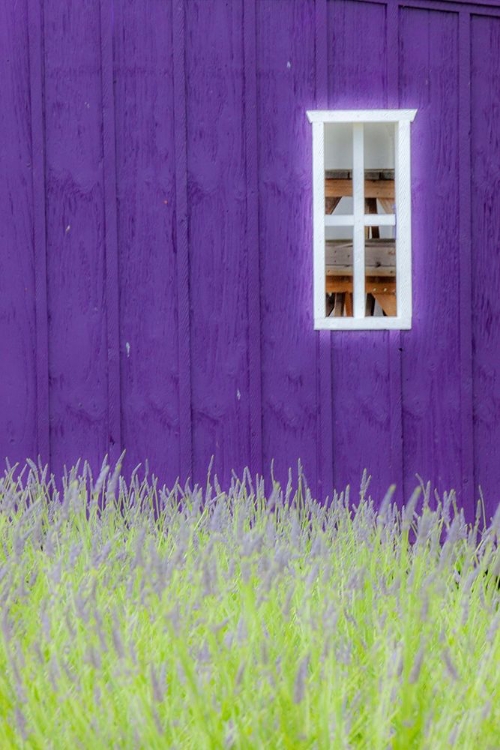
[(366, 369), (75, 232), (156, 239), (147, 232), (431, 375), (285, 88), (18, 403), (485, 205)]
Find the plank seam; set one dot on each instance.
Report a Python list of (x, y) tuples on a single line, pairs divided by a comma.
[(465, 228), (182, 241), (253, 243), (36, 68), (111, 232), (451, 5), (443, 6), (396, 338), (324, 349)]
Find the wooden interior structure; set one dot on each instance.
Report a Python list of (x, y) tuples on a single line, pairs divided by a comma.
[(380, 253)]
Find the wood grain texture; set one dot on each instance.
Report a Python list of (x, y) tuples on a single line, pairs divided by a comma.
[(485, 148), (286, 89), (75, 233), (145, 157), (252, 235), (477, 6), (114, 438), (182, 238), (324, 343), (469, 488), (35, 35), (217, 236), (363, 392), (395, 337), (18, 438), (429, 64), (488, 7)]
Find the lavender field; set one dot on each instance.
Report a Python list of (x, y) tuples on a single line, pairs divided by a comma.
[(137, 617)]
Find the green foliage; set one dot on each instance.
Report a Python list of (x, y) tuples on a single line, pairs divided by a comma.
[(134, 617)]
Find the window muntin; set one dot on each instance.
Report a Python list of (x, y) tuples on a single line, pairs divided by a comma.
[(362, 219)]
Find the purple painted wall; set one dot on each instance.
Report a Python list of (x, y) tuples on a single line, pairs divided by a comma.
[(156, 240)]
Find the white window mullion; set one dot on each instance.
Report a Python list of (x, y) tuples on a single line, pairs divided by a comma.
[(403, 220), (380, 220), (319, 219), (342, 220), (358, 192)]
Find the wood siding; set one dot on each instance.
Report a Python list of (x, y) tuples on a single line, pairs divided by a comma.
[(156, 241)]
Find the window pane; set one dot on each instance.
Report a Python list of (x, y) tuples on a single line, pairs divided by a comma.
[(338, 220), (338, 146), (338, 171), (339, 274), (380, 212), (380, 265), (379, 146)]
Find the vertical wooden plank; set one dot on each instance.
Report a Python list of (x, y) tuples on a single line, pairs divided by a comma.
[(181, 241), (365, 407), (403, 203), (217, 190), (395, 337), (18, 342), (111, 238), (75, 233), (146, 187), (485, 207), (252, 236), (468, 488), (429, 64), (287, 82), (35, 32), (324, 438)]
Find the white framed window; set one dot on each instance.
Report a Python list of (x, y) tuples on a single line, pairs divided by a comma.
[(362, 219)]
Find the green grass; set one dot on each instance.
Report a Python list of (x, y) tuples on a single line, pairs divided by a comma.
[(232, 620)]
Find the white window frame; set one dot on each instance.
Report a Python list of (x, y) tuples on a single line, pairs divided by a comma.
[(401, 220)]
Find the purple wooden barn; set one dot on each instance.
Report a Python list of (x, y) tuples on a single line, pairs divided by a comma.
[(158, 235)]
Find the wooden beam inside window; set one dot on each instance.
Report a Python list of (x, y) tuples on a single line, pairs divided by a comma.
[(342, 188)]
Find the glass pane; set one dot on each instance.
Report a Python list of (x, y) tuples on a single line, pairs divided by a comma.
[(338, 146), (380, 243), (338, 169), (380, 265), (339, 272), (379, 146), (338, 220)]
